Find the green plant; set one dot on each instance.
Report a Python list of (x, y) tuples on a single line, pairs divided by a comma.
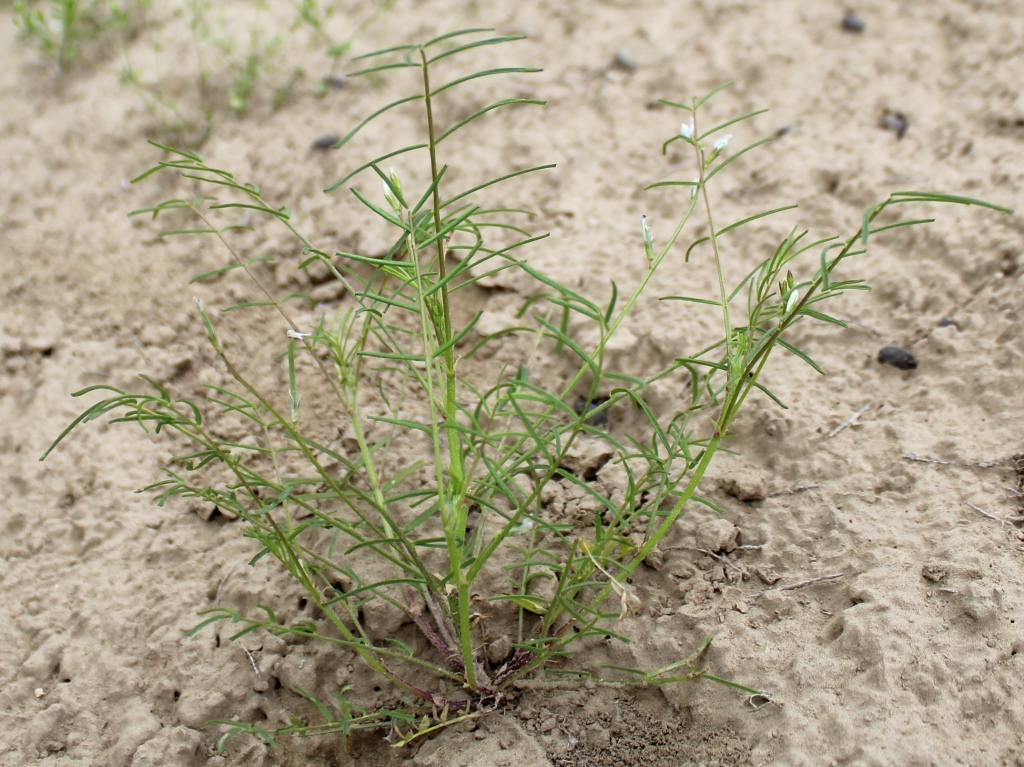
[(315, 15), (61, 28), (233, 67), (432, 538)]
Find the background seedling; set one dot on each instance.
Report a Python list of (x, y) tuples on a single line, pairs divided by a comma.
[(62, 28), (236, 58)]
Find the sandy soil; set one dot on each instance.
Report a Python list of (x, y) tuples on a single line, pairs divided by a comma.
[(914, 656)]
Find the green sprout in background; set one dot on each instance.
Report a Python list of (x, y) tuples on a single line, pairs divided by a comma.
[(236, 61)]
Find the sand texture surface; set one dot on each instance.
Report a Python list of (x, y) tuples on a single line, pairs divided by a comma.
[(903, 484)]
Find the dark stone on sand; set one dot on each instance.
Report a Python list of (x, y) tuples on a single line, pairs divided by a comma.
[(898, 357), (598, 419), (852, 22), (327, 141), (896, 122)]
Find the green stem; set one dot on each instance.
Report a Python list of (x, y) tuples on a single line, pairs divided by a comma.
[(712, 235), (453, 512)]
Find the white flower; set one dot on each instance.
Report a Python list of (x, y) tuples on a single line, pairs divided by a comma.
[(686, 129), (722, 142), (523, 527), (296, 334), (648, 234)]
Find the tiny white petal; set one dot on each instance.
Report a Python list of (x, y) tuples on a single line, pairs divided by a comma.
[(648, 234), (695, 188), (523, 527), (296, 334), (722, 142), (686, 131)]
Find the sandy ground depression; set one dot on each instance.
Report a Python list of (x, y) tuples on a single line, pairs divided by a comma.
[(901, 482)]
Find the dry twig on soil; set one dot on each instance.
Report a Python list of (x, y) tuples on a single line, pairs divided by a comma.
[(800, 585)]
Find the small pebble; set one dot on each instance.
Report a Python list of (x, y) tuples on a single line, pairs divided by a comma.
[(335, 82), (898, 357), (852, 22), (945, 322), (895, 121), (598, 419), (624, 60), (327, 141)]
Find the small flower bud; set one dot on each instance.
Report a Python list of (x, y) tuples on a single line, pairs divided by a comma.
[(793, 300), (392, 201), (722, 142), (395, 181), (686, 130), (648, 238)]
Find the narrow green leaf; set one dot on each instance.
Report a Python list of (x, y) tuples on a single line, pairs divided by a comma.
[(672, 183), (624, 669), (706, 502), (823, 317), (383, 68), (564, 339), (211, 334), (228, 268), (485, 73), (736, 156), (377, 209), (373, 162), (283, 214), (802, 355), (651, 418), (756, 216), (375, 115), (174, 232), (458, 33), (675, 105), (384, 51), (457, 337), (611, 304), (376, 261), (693, 245), (711, 94), (559, 287), (468, 192), (733, 121), (760, 387), (941, 197), (735, 686), (392, 356), (494, 336), (898, 224), (691, 299), (528, 602), (324, 711), (478, 44), (485, 110)]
